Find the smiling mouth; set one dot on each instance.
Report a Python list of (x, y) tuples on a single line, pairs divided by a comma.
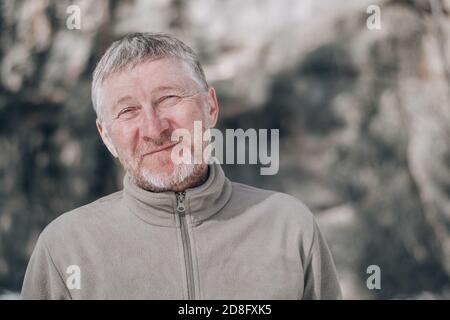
[(161, 149)]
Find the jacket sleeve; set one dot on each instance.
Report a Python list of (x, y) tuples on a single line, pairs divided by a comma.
[(320, 278), (42, 279)]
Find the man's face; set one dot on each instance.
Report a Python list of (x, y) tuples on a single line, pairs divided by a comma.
[(141, 107)]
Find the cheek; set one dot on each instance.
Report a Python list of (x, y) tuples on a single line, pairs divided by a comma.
[(124, 139), (186, 116)]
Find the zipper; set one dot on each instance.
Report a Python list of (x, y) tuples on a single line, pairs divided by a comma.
[(181, 209)]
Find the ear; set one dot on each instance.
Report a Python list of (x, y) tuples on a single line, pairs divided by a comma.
[(105, 137), (213, 113)]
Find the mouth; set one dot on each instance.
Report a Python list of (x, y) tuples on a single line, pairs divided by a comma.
[(167, 147)]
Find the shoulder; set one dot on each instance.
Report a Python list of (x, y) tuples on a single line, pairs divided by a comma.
[(284, 205), (85, 217), (279, 213)]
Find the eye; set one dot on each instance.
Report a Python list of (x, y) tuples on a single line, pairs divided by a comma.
[(168, 101), (127, 111)]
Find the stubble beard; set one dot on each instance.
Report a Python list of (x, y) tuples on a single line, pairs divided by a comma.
[(180, 178)]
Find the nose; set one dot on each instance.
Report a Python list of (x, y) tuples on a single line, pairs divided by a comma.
[(152, 125)]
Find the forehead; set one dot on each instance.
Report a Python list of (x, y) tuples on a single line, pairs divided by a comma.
[(146, 78)]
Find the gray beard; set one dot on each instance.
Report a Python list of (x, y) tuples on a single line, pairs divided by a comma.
[(184, 176)]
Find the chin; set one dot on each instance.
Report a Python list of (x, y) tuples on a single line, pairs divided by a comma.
[(164, 178)]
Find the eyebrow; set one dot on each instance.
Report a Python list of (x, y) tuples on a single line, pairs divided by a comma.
[(168, 87), (122, 100)]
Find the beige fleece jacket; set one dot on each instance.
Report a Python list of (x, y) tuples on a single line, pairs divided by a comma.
[(220, 240)]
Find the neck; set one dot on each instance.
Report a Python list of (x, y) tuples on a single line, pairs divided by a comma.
[(202, 202)]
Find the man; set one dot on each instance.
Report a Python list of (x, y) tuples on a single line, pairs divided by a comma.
[(176, 230)]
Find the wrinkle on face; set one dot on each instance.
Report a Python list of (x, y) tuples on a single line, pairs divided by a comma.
[(140, 86)]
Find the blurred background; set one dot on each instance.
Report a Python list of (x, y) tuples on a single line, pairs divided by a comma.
[(363, 113)]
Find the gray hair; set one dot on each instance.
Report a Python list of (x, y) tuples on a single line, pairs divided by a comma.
[(135, 48)]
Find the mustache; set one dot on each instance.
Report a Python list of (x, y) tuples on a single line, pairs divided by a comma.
[(149, 145)]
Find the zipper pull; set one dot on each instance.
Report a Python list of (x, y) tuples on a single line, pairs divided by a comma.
[(180, 201)]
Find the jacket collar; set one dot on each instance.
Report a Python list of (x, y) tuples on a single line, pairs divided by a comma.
[(160, 208)]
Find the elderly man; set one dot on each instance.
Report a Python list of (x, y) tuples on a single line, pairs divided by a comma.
[(176, 230)]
